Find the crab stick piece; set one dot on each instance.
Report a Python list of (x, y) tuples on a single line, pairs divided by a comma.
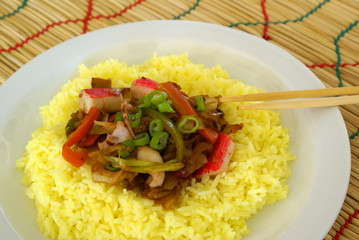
[(142, 87), (219, 159), (105, 99)]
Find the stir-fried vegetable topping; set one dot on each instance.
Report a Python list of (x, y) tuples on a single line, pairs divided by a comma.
[(151, 136)]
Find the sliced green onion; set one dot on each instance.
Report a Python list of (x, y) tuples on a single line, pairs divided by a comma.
[(108, 166), (159, 140), (118, 117), (165, 107), (172, 129), (135, 117), (200, 104), (142, 139), (188, 124), (126, 148), (144, 102), (157, 97), (155, 126)]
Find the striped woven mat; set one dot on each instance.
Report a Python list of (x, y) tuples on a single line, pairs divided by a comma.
[(323, 34)]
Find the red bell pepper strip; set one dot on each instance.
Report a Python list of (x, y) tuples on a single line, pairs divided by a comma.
[(183, 107), (84, 127), (75, 157), (78, 157), (89, 140)]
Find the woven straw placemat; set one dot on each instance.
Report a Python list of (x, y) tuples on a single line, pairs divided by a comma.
[(323, 34)]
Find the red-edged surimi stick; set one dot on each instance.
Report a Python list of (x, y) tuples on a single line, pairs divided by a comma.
[(142, 87), (219, 159), (107, 99)]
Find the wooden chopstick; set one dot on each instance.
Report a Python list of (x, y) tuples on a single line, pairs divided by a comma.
[(314, 101), (325, 92), (302, 103)]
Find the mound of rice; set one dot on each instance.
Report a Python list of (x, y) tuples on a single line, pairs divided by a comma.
[(71, 206)]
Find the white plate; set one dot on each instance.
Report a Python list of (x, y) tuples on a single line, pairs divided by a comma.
[(318, 136)]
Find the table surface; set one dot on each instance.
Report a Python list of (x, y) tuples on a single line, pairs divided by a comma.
[(322, 34)]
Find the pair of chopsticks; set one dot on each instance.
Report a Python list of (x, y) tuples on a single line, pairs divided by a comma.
[(317, 98)]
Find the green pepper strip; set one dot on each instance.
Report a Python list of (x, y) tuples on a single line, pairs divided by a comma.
[(127, 147), (200, 104), (159, 140), (135, 117), (165, 107), (157, 97), (158, 167), (142, 139), (171, 129), (108, 166), (118, 117), (181, 125), (155, 126)]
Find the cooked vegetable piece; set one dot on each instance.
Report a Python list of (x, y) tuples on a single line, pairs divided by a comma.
[(135, 163), (71, 125), (142, 139), (200, 104), (159, 167), (144, 102), (118, 117), (126, 148), (108, 166), (85, 126), (101, 83), (105, 99), (135, 117), (219, 159), (171, 129), (101, 127), (142, 87), (157, 97), (183, 107), (90, 140), (197, 159), (101, 174), (165, 107), (159, 140), (78, 157), (179, 103), (188, 124), (155, 126)]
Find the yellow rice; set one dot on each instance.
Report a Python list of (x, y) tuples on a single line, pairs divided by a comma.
[(71, 206)]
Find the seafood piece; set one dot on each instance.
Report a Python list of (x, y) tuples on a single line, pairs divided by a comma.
[(142, 87), (219, 159), (120, 133), (149, 154), (106, 99)]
